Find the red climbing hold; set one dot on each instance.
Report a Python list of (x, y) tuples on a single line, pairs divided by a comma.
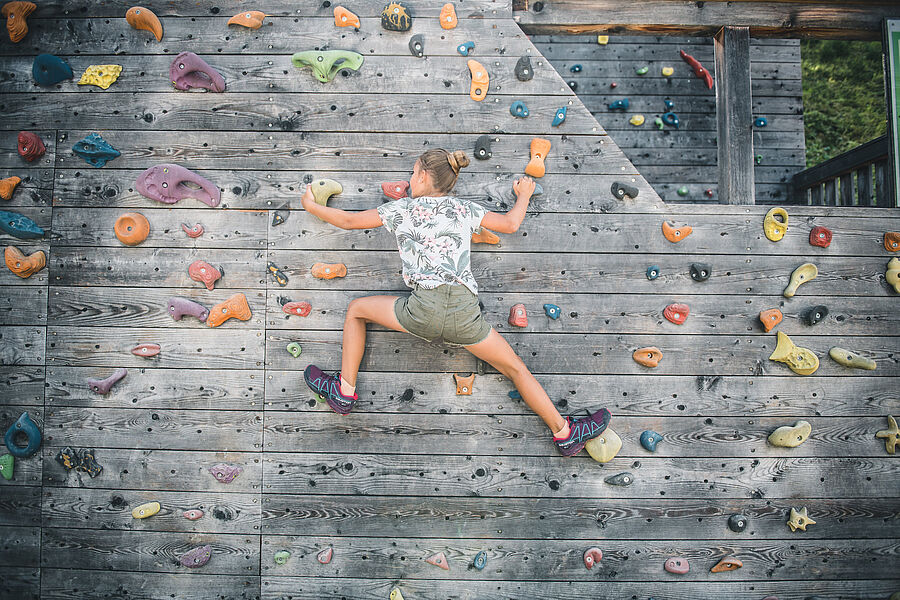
[(591, 556), (146, 350), (192, 232), (517, 316), (699, 71), (438, 560), (678, 566), (31, 147), (325, 555), (820, 236), (677, 313), (395, 189), (301, 309), (205, 273)]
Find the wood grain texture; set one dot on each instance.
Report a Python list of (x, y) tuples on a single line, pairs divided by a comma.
[(23, 305), (16, 582), (22, 345), (21, 385), (20, 505), (66, 584), (734, 115), (20, 546)]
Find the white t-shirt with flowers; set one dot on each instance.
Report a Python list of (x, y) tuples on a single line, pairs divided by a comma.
[(434, 236)]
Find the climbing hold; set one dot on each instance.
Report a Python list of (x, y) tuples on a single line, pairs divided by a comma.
[(799, 519), (146, 350), (621, 480), (323, 271), (514, 395), (325, 556), (300, 309), (480, 560), (294, 349), (132, 228), (102, 76), (775, 224), (621, 104), (677, 313), (252, 19), (523, 70), (280, 278), (820, 236), (194, 231), (324, 189), (760, 122), (576, 68), (636, 120), (178, 307), (168, 183), (518, 109), (203, 272), (189, 71), (648, 357), (417, 45), (145, 510), (851, 359), (892, 241), (605, 446), (517, 316), (197, 557), (16, 14), (675, 234), (465, 48), (592, 556), (682, 191), (790, 437), (396, 595), (225, 473), (18, 225), (30, 146), (485, 236), (892, 275), (641, 70), (708, 193), (345, 18), (552, 311), (539, 149), (737, 523), (573, 85), (7, 466), (678, 566), (438, 560), (25, 425), (658, 122), (560, 117), (620, 190), (235, 307), (801, 360), (88, 464), (399, 189), (699, 71), (396, 17), (102, 386), (281, 557), (891, 435), (143, 18), (8, 186), (670, 119), (729, 563), (802, 274), (480, 80), (669, 103), (770, 318), (95, 150), (464, 384), (652, 272), (327, 63), (448, 16), (24, 266), (48, 70), (68, 458), (758, 159), (815, 314), (613, 85), (667, 71), (649, 440), (482, 149)]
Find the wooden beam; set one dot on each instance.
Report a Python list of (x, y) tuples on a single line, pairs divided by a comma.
[(734, 116)]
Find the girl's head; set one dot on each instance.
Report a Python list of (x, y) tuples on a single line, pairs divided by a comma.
[(435, 172)]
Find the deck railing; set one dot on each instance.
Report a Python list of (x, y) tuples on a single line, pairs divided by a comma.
[(858, 177)]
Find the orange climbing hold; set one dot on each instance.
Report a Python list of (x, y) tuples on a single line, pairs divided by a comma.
[(8, 186), (517, 316), (324, 271), (252, 19), (24, 266), (438, 560), (649, 357), (235, 307), (16, 13), (132, 228), (464, 384), (205, 273), (675, 234), (345, 18), (539, 149), (448, 16), (480, 80), (485, 236), (770, 318), (892, 241), (729, 563), (144, 19)]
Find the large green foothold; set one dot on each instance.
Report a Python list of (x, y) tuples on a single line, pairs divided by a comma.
[(7, 462), (294, 349), (326, 64), (851, 359), (791, 437), (323, 189)]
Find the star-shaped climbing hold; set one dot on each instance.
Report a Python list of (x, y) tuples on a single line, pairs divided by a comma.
[(891, 435), (799, 519)]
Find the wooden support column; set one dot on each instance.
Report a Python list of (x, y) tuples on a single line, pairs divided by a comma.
[(734, 116)]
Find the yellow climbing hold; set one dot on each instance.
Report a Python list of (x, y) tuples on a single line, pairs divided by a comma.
[(637, 120), (802, 361), (851, 359), (802, 274), (773, 228), (603, 40), (102, 76), (396, 595), (892, 276), (791, 437), (323, 189), (891, 435), (604, 447), (799, 519), (145, 510), (667, 71)]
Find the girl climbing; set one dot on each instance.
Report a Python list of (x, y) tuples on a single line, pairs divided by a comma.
[(434, 231)]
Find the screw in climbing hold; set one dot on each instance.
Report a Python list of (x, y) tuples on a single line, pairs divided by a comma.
[(652, 272), (621, 104), (658, 122), (518, 109), (891, 435), (592, 556), (621, 479), (700, 271), (325, 555), (667, 71), (276, 272), (576, 68), (417, 45), (281, 557), (641, 70), (675, 234), (820, 236), (517, 316), (760, 122), (788, 436), (573, 85), (648, 357), (677, 566), (799, 519), (815, 314), (620, 190), (670, 119), (737, 523), (466, 47), (682, 191), (560, 116), (7, 465), (649, 440), (552, 311), (438, 560), (758, 159), (636, 120), (294, 349), (196, 557), (523, 69), (480, 560)]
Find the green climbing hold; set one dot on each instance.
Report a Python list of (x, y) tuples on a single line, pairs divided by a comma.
[(851, 359), (281, 557), (641, 70), (326, 64), (294, 349), (7, 463), (658, 122), (682, 191)]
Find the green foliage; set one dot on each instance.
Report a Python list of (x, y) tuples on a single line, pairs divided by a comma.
[(843, 96)]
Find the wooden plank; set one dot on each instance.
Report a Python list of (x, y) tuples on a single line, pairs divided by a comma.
[(111, 509), (20, 506), (779, 174), (615, 39), (615, 122), (40, 215), (20, 546), (22, 345), (649, 157), (39, 172), (22, 386), (69, 584), (27, 196), (884, 194), (638, 137), (680, 87), (864, 186), (782, 108), (622, 70), (734, 113), (16, 582), (869, 152), (577, 48), (23, 305), (846, 190)]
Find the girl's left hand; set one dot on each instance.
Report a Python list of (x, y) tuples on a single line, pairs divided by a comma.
[(307, 196)]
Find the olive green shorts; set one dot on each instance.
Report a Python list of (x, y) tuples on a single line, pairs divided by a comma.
[(450, 312)]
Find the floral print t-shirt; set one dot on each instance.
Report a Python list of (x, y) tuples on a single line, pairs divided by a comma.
[(434, 236)]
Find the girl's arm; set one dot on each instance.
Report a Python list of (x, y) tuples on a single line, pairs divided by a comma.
[(509, 222), (367, 219)]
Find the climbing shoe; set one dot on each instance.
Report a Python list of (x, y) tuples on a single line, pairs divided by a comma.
[(581, 430), (329, 388)]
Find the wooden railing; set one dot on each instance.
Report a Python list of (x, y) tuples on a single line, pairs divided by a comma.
[(858, 177)]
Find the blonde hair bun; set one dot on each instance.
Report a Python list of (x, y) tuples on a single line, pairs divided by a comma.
[(458, 160)]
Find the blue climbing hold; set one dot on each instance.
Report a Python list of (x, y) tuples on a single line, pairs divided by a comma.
[(671, 119), (465, 48), (560, 117), (518, 109), (480, 560), (649, 440), (760, 122), (552, 311), (95, 150), (18, 225), (25, 425), (619, 104), (514, 395), (652, 272), (669, 104), (48, 70), (576, 68)]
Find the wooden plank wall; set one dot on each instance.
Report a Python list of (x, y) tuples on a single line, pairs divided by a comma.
[(415, 469), (686, 156)]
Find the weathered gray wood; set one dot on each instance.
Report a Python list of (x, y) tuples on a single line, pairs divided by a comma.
[(20, 546), (734, 113), (23, 305), (846, 190), (575, 38), (27, 196), (638, 86), (16, 582), (20, 505), (830, 195), (22, 345), (577, 48), (784, 108), (884, 194), (614, 122), (644, 136), (40, 215), (622, 70), (37, 171), (864, 186), (70, 584), (22, 385)]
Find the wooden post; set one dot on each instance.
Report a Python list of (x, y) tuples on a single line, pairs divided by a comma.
[(734, 116)]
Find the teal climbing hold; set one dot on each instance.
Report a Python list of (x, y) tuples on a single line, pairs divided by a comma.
[(652, 272), (518, 109), (465, 48), (25, 425), (619, 104), (480, 560), (560, 117), (649, 440), (326, 64), (760, 122), (671, 119), (552, 311), (669, 104), (294, 349), (576, 68), (18, 225), (7, 464), (95, 150), (514, 395), (48, 70)]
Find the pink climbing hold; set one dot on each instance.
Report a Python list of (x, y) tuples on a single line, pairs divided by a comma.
[(395, 189), (225, 473), (192, 232), (438, 560), (325, 555), (193, 514), (517, 316), (592, 556), (30, 146), (169, 183), (146, 350), (190, 71), (197, 557), (301, 309), (102, 386), (678, 566)]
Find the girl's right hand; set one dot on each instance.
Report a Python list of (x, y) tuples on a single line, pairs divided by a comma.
[(523, 186)]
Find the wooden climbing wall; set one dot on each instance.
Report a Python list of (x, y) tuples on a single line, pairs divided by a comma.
[(414, 469), (685, 157)]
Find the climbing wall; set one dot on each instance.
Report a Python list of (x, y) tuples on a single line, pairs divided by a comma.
[(415, 469)]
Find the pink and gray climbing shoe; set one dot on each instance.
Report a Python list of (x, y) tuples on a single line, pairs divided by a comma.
[(581, 430), (329, 388)]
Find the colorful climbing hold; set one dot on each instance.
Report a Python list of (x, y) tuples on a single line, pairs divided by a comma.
[(815, 314), (7, 466), (708, 193), (480, 80), (192, 231), (324, 189), (102, 76), (294, 349), (464, 384), (620, 190), (770, 318), (189, 71), (438, 560), (652, 272), (203, 272), (145, 510), (576, 68), (281, 557), (552, 311), (669, 104), (820, 236), (675, 234), (144, 19), (465, 48), (636, 120), (192, 514), (325, 556), (328, 271), (592, 556), (620, 104), (18, 225), (300, 309), (514, 395), (621, 479), (30, 146), (16, 14), (775, 224), (799, 519), (67, 458), (24, 425), (603, 40), (517, 316), (641, 70), (851, 359), (251, 19), (396, 17), (760, 122), (729, 563), (132, 228), (485, 236), (523, 69), (790, 436), (448, 16), (179, 307), (416, 45), (539, 149), (802, 274), (396, 595), (892, 241), (891, 435), (21, 265), (480, 560), (345, 18), (648, 357), (613, 85), (670, 119), (169, 183), (682, 191), (95, 150), (326, 64), (667, 71), (677, 313), (225, 473), (518, 109), (560, 117), (677, 566), (658, 122), (892, 275), (698, 69), (196, 557), (146, 350), (48, 70), (88, 464), (737, 523), (649, 440), (802, 361), (102, 386), (399, 189), (605, 446), (758, 159), (279, 275), (236, 307)]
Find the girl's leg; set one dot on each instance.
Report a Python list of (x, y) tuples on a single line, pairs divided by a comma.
[(497, 352), (369, 309)]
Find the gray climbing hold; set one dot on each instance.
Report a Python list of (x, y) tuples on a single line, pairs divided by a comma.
[(524, 71), (620, 190), (622, 479), (417, 45), (483, 147), (815, 314), (737, 523), (700, 272)]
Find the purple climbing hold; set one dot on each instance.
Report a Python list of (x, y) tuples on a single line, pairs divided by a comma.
[(178, 307), (102, 386), (197, 557), (167, 183), (225, 473), (190, 71)]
